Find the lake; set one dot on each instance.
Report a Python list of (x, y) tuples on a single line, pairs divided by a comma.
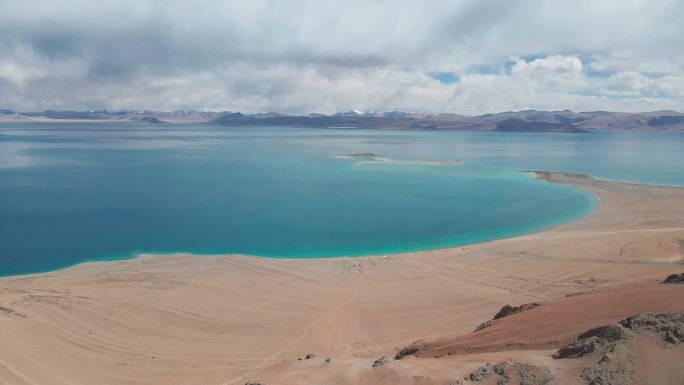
[(73, 192)]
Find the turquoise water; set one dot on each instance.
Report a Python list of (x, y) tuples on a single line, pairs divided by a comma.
[(71, 192)]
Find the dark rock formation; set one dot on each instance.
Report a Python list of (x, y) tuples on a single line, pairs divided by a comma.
[(408, 351), (380, 361), (309, 356), (506, 311), (593, 340), (612, 346), (483, 325), (674, 278), (514, 373), (11, 312), (481, 373), (6, 310), (530, 375), (500, 368), (668, 328), (510, 310)]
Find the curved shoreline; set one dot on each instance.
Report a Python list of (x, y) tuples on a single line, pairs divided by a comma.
[(541, 175), (178, 319)]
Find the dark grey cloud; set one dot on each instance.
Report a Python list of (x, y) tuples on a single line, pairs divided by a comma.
[(302, 56)]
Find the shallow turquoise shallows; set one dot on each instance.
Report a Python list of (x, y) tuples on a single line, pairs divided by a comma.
[(71, 192)]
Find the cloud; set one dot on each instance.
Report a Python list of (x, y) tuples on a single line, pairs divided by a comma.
[(554, 63), (629, 81), (305, 56)]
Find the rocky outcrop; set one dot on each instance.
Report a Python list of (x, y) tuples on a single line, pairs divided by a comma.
[(510, 373), (10, 312), (506, 311), (674, 278), (526, 374), (612, 348), (667, 328), (408, 351), (481, 373), (6, 310), (483, 325), (593, 340), (380, 362)]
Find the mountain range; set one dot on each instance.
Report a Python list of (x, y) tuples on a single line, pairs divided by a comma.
[(519, 121)]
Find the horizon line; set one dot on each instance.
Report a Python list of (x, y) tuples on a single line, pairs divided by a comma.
[(3, 111)]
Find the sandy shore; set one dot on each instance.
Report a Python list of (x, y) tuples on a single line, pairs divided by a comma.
[(181, 319)]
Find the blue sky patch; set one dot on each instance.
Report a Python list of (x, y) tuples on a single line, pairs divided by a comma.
[(445, 77)]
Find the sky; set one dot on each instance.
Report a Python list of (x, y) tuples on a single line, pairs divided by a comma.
[(455, 56)]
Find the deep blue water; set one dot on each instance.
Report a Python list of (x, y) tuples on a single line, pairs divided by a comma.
[(71, 192)]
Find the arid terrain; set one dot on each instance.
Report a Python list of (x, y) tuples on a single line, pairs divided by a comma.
[(233, 319)]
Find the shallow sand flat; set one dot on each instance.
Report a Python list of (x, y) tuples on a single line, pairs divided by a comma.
[(181, 319)]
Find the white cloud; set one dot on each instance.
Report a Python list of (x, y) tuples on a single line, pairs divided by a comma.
[(553, 63), (625, 61), (305, 56), (629, 81)]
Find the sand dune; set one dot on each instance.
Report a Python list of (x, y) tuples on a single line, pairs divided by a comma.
[(182, 319)]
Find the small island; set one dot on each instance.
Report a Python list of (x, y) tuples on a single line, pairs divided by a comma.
[(365, 155), (372, 156)]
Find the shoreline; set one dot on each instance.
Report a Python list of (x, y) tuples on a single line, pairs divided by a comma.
[(540, 175), (179, 319)]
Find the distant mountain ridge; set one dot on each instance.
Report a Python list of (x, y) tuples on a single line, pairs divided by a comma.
[(519, 125), (518, 121)]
